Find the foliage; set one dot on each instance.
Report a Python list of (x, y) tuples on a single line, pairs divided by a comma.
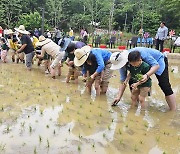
[(32, 20), (128, 15)]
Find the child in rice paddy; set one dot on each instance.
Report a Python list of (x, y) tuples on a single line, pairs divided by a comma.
[(4, 50), (138, 68)]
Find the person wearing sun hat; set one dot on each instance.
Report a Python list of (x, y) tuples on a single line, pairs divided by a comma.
[(13, 46), (159, 66), (53, 50), (96, 66), (27, 46)]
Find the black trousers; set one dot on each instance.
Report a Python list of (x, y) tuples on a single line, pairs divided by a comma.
[(161, 43), (164, 80)]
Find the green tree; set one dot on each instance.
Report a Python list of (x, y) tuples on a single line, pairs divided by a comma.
[(30, 21)]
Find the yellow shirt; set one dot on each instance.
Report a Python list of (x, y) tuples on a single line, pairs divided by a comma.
[(12, 45), (71, 33), (35, 40)]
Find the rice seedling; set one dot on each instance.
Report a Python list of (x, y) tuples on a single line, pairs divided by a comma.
[(104, 135), (35, 151), (120, 132), (22, 124), (69, 130), (109, 128), (48, 145), (47, 126), (164, 152), (98, 122), (90, 111), (146, 125), (87, 117), (41, 112), (80, 136), (7, 129), (126, 125), (93, 145), (80, 106), (100, 114), (30, 129), (2, 108), (135, 148), (40, 139), (112, 120), (79, 148), (54, 132), (158, 138), (121, 141), (2, 147), (141, 142), (89, 126)]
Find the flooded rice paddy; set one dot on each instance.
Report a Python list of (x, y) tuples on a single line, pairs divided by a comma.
[(42, 115)]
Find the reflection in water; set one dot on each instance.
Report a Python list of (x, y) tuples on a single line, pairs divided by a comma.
[(41, 115)]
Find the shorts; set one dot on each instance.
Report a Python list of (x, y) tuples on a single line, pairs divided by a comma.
[(164, 80), (12, 50), (29, 58), (142, 91), (107, 73), (57, 59), (106, 76)]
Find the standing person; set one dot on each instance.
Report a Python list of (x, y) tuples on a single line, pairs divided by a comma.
[(53, 50), (5, 33), (1, 31), (85, 36), (4, 50), (27, 46), (159, 67), (36, 32), (101, 58), (161, 35), (57, 35), (48, 34), (71, 34)]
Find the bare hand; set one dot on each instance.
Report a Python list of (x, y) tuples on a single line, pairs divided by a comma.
[(134, 86), (71, 63), (115, 102), (144, 79)]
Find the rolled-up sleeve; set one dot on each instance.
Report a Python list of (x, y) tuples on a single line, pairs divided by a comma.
[(100, 63), (123, 73)]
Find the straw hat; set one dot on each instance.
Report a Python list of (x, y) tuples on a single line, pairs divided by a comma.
[(21, 30), (119, 59), (10, 32), (81, 55), (42, 41)]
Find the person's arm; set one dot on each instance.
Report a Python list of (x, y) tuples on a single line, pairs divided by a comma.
[(146, 57), (152, 70), (42, 53), (165, 33), (122, 86), (100, 67), (22, 48)]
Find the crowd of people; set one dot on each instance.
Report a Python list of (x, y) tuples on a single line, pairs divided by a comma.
[(94, 64)]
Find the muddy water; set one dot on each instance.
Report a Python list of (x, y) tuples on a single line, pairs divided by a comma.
[(41, 115)]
